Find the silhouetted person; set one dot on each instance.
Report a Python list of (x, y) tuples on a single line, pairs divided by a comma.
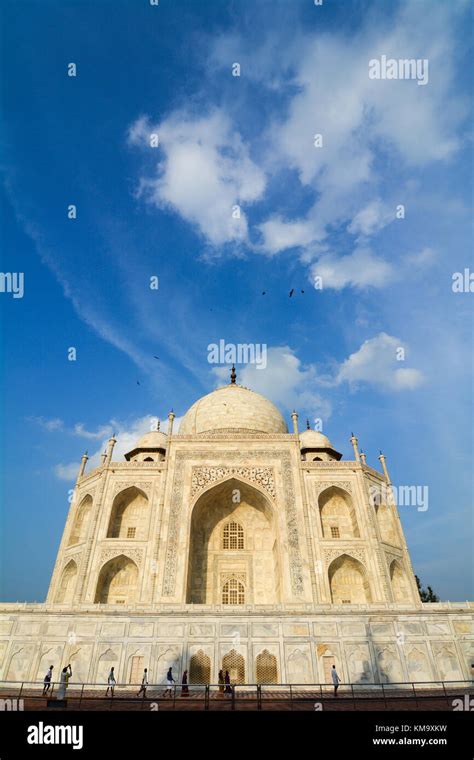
[(335, 679), (144, 684), (184, 681), (228, 688), (47, 680), (111, 682), (169, 682), (66, 674), (221, 681)]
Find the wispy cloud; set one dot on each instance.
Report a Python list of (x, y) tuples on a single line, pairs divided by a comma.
[(52, 425), (80, 430), (85, 307)]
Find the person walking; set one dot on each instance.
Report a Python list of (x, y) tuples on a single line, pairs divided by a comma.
[(169, 683), (228, 688), (142, 689), (335, 679), (184, 687), (220, 680), (66, 674), (111, 682), (47, 680)]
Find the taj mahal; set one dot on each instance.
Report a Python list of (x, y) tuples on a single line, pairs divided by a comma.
[(236, 543)]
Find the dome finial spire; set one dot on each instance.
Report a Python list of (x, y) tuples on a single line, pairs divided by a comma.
[(233, 375), (308, 426)]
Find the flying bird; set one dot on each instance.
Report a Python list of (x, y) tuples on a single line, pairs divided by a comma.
[(292, 291)]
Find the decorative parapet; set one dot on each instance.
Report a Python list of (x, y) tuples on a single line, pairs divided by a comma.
[(371, 471), (90, 475), (425, 608), (112, 466), (137, 465), (239, 434)]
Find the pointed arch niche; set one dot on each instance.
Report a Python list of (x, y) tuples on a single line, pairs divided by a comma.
[(337, 514), (266, 668), (348, 581), (67, 584), (200, 668), (400, 586), (388, 531), (81, 520), (129, 515), (233, 536), (118, 582), (234, 663)]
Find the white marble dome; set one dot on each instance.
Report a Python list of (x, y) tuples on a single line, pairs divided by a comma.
[(232, 407), (155, 439), (312, 439)]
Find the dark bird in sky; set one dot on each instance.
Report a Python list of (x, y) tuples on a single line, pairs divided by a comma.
[(292, 291), (156, 357), (263, 292), (138, 383), (302, 292)]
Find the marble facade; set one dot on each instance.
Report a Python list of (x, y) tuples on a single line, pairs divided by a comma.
[(235, 543)]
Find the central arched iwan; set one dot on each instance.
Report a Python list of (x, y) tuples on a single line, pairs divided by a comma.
[(233, 538)]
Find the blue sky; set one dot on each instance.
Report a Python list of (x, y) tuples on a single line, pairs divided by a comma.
[(305, 212)]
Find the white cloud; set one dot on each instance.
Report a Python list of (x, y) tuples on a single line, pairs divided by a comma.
[(127, 434), (205, 171), (278, 234), (362, 121), (372, 218), (420, 126), (285, 381), (375, 363), (337, 99), (291, 384), (330, 78), (360, 269), (367, 126)]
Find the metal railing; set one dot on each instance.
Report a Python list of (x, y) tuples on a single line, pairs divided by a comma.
[(96, 696)]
